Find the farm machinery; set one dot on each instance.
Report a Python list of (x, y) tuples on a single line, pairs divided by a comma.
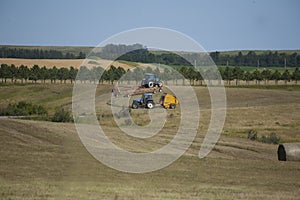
[(168, 101), (150, 81), (127, 91), (150, 84), (146, 101)]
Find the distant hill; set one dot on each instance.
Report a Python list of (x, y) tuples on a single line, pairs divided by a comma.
[(87, 49), (260, 52), (64, 49), (138, 53)]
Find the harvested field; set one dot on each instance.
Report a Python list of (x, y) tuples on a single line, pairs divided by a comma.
[(46, 160), (49, 63)]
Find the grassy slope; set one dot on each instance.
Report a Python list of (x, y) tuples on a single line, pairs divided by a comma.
[(41, 160)]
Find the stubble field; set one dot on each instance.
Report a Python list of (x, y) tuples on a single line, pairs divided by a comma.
[(46, 160)]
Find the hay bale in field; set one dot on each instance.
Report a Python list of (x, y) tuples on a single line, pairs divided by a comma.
[(289, 152)]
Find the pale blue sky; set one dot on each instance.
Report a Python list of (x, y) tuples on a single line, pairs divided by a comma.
[(215, 24)]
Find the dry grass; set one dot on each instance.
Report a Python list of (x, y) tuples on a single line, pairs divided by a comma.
[(44, 160)]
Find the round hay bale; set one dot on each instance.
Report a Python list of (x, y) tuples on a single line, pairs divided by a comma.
[(289, 152)]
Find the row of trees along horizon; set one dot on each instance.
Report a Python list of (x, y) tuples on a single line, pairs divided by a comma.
[(35, 74), (139, 53)]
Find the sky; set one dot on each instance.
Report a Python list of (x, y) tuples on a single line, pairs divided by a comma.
[(217, 25)]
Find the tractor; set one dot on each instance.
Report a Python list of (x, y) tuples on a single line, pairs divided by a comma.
[(146, 101), (150, 81)]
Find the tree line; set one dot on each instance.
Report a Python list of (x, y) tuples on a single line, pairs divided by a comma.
[(265, 59), (41, 74), (6, 52), (270, 59), (97, 74), (228, 74), (139, 53)]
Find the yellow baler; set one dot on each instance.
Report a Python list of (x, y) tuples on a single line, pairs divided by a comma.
[(169, 101)]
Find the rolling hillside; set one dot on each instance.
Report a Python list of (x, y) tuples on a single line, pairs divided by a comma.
[(86, 49), (46, 160)]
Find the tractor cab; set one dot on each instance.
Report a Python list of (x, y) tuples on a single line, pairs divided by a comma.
[(147, 96), (149, 76)]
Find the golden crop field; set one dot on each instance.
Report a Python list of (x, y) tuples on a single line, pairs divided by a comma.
[(49, 63)]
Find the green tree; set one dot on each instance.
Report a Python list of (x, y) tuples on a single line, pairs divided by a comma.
[(228, 75), (128, 76), (257, 76), (166, 75), (35, 73), (5, 72), (62, 115), (210, 75), (248, 77), (23, 108), (239, 59), (286, 76), (199, 77), (266, 75), (184, 72), (119, 74), (23, 73), (292, 59), (250, 59), (276, 76), (53, 74), (191, 75), (105, 76), (238, 74), (81, 55), (275, 59), (84, 74), (296, 75), (112, 74), (63, 74), (96, 73), (44, 72), (72, 74), (13, 70)]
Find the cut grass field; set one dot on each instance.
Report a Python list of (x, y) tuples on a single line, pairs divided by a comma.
[(45, 160)]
